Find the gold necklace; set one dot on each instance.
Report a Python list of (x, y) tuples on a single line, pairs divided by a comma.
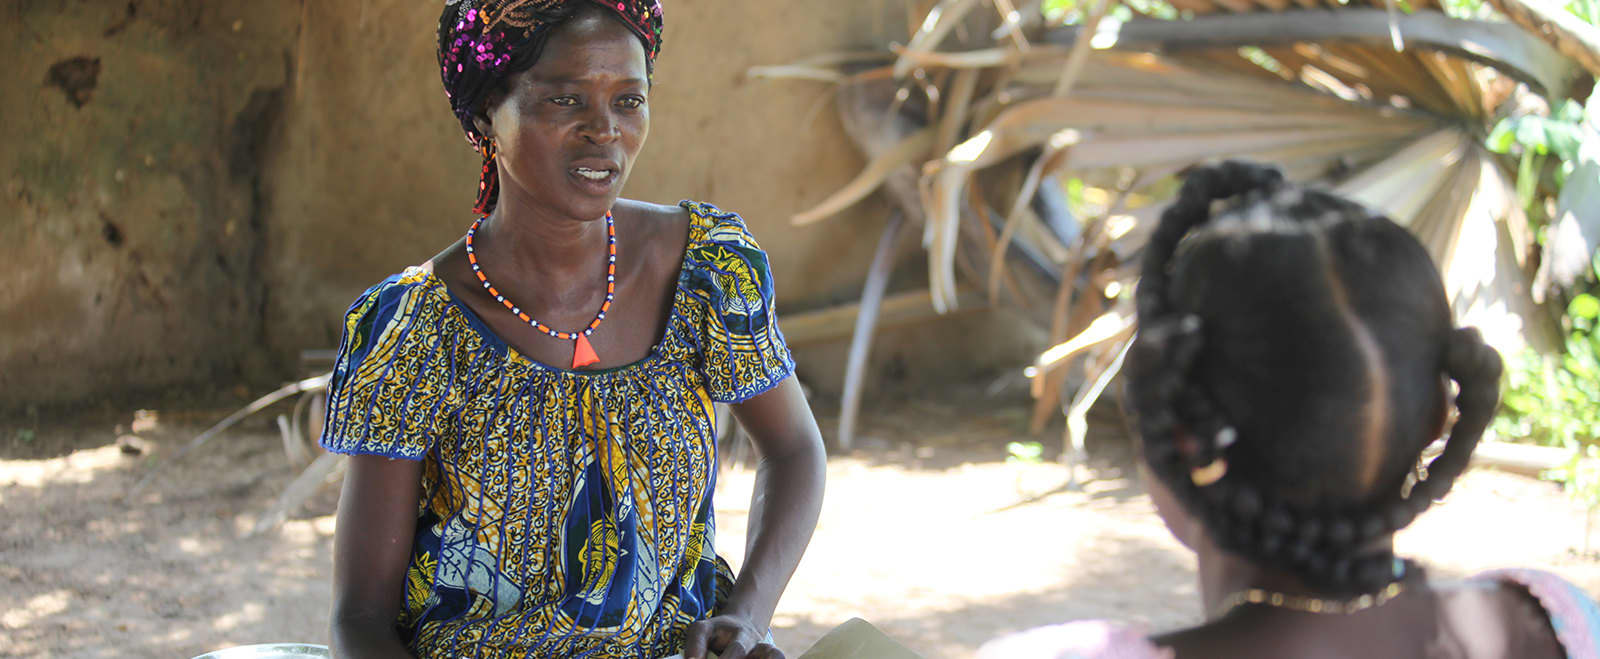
[(1309, 604)]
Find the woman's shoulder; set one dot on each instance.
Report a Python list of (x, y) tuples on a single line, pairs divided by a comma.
[(710, 225), (722, 255), (398, 303), (704, 223), (388, 295), (1082, 639)]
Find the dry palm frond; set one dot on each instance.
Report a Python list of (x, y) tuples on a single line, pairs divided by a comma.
[(1328, 97), (938, 23), (908, 151)]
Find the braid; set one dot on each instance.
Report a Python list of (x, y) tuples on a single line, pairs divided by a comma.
[(1475, 367), (1181, 427), (1202, 186), (1186, 435)]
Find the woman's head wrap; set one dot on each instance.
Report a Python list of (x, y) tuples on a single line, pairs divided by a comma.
[(481, 42)]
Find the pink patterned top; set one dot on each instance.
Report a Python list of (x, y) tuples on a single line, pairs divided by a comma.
[(1573, 614)]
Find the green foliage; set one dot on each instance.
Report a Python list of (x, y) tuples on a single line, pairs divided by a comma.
[(1534, 139), (1581, 475), (1587, 10), (1556, 402), (1024, 453)]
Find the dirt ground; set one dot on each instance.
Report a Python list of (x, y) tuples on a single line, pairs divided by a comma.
[(926, 532)]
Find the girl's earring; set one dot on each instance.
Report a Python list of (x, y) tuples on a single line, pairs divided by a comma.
[(1419, 473)]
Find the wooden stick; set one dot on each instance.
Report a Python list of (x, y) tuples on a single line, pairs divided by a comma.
[(1080, 48), (837, 322), (308, 384), (866, 322)]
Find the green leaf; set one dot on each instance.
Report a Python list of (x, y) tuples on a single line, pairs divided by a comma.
[(1563, 138), (1531, 134), (1503, 136), (1029, 452), (1527, 178), (1584, 306), (1569, 111)]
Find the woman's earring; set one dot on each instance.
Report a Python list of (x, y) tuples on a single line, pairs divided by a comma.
[(488, 179)]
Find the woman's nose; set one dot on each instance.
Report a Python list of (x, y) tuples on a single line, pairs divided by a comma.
[(600, 127)]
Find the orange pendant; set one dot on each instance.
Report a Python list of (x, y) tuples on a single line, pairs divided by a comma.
[(583, 353)]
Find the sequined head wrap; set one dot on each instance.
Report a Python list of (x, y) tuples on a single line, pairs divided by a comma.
[(481, 42)]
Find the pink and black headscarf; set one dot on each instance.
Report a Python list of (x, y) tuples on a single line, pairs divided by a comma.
[(481, 42)]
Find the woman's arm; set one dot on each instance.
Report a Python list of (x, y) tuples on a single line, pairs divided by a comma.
[(371, 549), (783, 513)]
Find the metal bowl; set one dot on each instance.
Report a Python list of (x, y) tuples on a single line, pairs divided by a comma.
[(269, 651)]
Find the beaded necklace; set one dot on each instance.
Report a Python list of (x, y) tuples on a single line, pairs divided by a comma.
[(1309, 604), (582, 352)]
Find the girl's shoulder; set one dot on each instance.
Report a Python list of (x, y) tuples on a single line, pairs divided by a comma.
[(1544, 597)]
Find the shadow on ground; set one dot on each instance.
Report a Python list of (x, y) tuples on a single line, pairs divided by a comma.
[(91, 571)]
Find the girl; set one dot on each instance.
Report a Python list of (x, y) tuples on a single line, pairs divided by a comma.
[(1296, 356)]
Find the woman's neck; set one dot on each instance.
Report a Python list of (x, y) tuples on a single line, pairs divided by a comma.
[(543, 245)]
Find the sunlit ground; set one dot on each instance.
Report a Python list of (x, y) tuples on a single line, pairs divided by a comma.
[(925, 534)]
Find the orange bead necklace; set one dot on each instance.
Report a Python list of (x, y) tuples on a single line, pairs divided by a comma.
[(583, 352)]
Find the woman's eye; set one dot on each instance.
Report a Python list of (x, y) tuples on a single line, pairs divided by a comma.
[(631, 102), (565, 101)]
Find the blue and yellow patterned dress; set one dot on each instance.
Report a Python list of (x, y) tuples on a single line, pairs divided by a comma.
[(564, 514)]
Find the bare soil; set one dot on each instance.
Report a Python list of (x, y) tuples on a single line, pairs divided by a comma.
[(927, 532)]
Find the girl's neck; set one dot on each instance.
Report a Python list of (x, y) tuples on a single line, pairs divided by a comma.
[(1222, 574)]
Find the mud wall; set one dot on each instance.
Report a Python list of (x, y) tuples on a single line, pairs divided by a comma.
[(128, 233)]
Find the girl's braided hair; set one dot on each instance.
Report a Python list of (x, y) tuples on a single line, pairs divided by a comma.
[(1291, 366)]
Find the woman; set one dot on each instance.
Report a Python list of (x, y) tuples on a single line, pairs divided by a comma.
[(1293, 363), (529, 413)]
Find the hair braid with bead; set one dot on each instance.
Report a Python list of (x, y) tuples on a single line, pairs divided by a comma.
[(1300, 344)]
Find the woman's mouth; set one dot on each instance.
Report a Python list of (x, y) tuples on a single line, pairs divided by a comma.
[(594, 174)]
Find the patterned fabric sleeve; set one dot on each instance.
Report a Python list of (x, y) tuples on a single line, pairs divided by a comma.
[(1084, 639), (1574, 615), (742, 352), (385, 396)]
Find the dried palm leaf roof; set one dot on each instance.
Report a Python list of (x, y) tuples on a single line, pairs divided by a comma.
[(968, 135)]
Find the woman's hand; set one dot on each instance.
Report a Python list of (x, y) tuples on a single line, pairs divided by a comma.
[(731, 637)]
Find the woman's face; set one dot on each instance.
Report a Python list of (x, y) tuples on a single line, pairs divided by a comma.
[(568, 129)]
